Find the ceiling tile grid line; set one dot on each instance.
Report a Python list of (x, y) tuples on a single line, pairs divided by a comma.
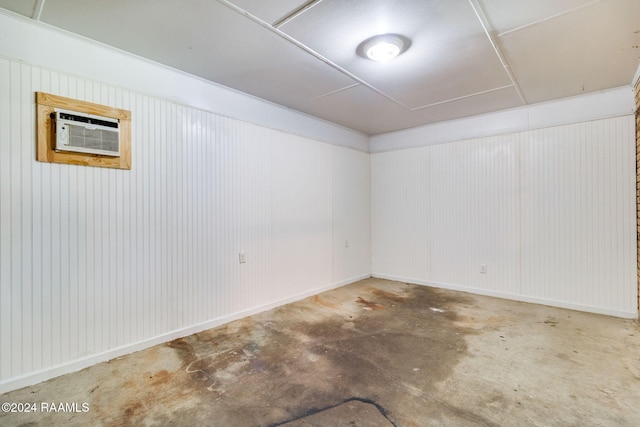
[(294, 14), (37, 9), (305, 7), (331, 93), (466, 58), (547, 18), (446, 101), (309, 51), (485, 25)]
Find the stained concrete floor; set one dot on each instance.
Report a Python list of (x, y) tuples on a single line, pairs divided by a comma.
[(374, 353)]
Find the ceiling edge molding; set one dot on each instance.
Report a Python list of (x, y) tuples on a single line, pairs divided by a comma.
[(29, 41), (592, 106)]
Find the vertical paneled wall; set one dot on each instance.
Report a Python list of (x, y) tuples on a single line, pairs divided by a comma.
[(637, 97), (550, 212), (94, 261)]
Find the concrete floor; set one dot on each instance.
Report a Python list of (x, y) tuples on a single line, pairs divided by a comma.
[(374, 353)]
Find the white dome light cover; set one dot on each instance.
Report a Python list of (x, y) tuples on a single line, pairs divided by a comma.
[(383, 47)]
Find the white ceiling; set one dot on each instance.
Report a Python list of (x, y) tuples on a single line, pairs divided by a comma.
[(467, 57)]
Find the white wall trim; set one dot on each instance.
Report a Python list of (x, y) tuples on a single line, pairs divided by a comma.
[(592, 106), (513, 297), (21, 39), (636, 77), (78, 364)]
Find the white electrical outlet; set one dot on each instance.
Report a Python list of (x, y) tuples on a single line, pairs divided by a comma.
[(346, 243), (241, 257), (483, 268)]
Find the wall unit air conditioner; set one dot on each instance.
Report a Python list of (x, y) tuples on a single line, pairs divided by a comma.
[(87, 133)]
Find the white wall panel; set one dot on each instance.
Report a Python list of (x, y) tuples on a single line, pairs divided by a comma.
[(302, 207), (352, 214), (475, 209), (401, 213), (577, 214), (98, 262), (549, 211)]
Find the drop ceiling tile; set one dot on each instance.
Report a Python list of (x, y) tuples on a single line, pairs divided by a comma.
[(23, 7), (591, 49), (161, 30), (364, 110), (270, 11), (450, 56), (506, 15), (208, 39), (554, 48), (497, 100), (359, 108)]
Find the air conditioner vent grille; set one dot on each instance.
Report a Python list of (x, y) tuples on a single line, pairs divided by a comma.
[(94, 139), (89, 120)]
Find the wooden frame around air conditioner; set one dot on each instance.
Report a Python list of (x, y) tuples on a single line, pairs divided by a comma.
[(46, 138)]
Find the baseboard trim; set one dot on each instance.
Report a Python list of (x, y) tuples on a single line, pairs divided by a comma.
[(85, 362), (515, 297)]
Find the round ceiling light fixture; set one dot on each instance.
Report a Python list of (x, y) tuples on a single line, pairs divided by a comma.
[(383, 47)]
